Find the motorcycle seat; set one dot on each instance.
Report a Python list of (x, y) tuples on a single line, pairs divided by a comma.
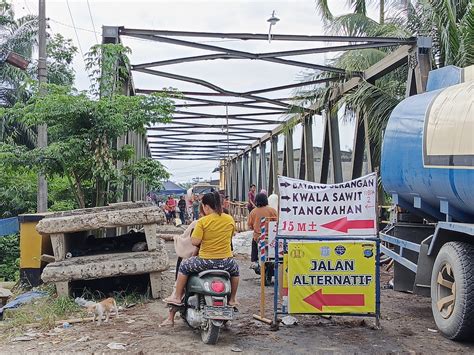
[(214, 272)]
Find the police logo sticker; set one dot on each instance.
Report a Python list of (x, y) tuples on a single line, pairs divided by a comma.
[(340, 250), (325, 251), (368, 253)]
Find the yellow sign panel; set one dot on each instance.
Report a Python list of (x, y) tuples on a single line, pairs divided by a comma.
[(285, 271), (332, 277)]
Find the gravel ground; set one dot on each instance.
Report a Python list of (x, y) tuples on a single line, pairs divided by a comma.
[(407, 326)]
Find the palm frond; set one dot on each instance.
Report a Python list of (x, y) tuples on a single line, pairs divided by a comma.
[(352, 24), (376, 104), (466, 29), (359, 60), (359, 6), (322, 7)]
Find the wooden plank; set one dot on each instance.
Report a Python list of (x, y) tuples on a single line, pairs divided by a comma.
[(58, 242)]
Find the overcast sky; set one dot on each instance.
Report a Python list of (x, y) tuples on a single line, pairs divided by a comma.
[(297, 17)]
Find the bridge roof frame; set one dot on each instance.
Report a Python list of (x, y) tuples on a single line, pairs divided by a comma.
[(239, 133)]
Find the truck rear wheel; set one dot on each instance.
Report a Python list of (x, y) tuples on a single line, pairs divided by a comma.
[(452, 290)]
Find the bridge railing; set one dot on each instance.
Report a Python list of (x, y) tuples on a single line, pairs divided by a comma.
[(238, 210)]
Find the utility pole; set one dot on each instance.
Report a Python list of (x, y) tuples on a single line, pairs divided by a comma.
[(42, 197)]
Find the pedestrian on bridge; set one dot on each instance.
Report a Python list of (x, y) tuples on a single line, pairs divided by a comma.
[(251, 197), (182, 209), (170, 209), (253, 222)]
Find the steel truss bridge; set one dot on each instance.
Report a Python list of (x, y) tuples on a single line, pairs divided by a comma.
[(246, 143)]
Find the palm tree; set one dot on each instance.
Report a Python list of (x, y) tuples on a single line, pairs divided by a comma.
[(451, 26), (17, 35), (359, 8)]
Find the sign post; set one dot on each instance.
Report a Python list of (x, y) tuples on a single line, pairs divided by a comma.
[(329, 234), (263, 246), (332, 277)]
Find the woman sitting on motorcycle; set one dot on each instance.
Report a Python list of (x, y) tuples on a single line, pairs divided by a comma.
[(213, 234)]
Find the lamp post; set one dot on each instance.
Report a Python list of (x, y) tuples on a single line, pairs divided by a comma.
[(273, 21)]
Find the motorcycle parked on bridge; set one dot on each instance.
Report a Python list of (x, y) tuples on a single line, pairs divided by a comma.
[(205, 303)]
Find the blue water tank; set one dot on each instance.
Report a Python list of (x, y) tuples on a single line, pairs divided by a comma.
[(428, 149)]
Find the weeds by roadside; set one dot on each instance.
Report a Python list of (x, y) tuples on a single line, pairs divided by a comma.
[(43, 313)]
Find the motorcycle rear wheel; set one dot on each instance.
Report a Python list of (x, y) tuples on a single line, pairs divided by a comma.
[(210, 334)]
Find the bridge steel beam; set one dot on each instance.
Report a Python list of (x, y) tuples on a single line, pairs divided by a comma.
[(308, 146), (246, 175), (324, 176), (235, 176), (358, 148), (262, 168), (242, 166), (253, 166), (330, 153), (394, 60), (335, 145), (288, 155), (273, 176), (239, 179)]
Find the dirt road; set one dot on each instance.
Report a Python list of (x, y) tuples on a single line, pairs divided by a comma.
[(407, 326)]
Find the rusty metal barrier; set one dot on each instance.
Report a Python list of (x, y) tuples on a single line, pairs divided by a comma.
[(238, 210)]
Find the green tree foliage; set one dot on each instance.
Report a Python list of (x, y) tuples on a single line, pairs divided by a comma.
[(17, 191), (17, 35), (449, 23), (16, 85), (81, 132), (9, 258)]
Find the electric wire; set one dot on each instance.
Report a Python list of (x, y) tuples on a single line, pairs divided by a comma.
[(92, 20), (75, 29), (78, 41), (27, 7), (78, 28)]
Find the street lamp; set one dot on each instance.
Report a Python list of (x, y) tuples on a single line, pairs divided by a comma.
[(273, 21)]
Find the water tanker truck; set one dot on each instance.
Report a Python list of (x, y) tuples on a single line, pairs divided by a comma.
[(428, 169)]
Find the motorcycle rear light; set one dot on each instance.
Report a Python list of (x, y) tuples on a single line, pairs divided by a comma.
[(218, 303), (217, 286)]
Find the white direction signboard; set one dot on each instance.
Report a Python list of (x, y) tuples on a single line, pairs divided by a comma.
[(272, 233), (312, 209)]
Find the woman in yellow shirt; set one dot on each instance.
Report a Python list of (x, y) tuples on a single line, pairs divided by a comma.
[(213, 234)]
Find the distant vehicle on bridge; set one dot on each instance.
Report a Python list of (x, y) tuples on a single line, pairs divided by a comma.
[(203, 188)]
